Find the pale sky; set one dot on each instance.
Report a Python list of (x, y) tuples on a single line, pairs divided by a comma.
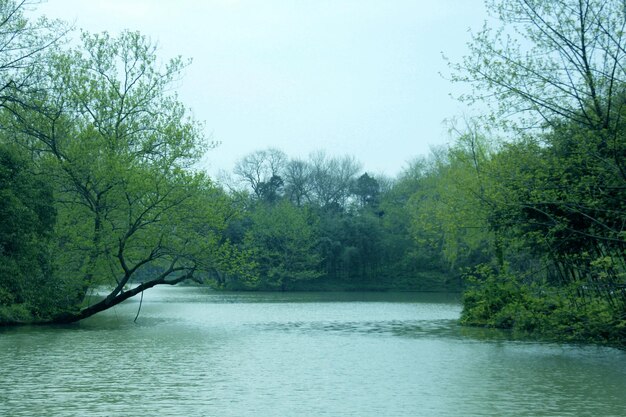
[(357, 77)]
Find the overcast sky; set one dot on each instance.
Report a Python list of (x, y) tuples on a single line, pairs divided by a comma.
[(358, 77)]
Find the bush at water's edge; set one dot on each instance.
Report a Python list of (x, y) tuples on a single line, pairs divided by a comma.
[(502, 301)]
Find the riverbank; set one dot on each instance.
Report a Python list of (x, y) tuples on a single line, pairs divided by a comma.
[(544, 313), (419, 282)]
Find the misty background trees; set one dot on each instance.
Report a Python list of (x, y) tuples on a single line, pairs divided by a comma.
[(324, 215)]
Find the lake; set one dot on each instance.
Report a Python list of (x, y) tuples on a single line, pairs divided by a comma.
[(196, 352)]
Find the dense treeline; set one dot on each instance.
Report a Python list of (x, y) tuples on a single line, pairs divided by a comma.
[(323, 223), (527, 203), (524, 210), (100, 200)]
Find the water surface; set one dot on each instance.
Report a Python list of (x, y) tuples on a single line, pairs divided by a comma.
[(194, 352)]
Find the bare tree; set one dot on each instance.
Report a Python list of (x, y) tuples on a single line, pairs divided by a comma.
[(297, 181), (331, 178), (260, 167)]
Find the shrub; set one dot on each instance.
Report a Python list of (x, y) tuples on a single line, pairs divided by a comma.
[(499, 300)]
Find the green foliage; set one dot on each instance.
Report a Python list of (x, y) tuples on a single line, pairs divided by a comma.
[(367, 191), (117, 148), (121, 206), (450, 209), (557, 210), (539, 217), (360, 236), (26, 206), (282, 242), (495, 300), (555, 191), (548, 61), (15, 313), (502, 301), (29, 290)]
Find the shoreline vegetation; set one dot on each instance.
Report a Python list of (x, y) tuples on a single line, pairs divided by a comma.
[(541, 312), (524, 211)]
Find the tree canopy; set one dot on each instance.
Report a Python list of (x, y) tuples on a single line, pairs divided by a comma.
[(117, 146), (554, 72), (523, 210)]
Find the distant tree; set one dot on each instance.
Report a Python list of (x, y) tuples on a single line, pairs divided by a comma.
[(283, 241), (331, 179), (272, 190), (367, 191), (450, 208), (411, 252), (257, 169), (297, 176)]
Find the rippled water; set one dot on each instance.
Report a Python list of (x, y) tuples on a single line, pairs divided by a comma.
[(194, 352)]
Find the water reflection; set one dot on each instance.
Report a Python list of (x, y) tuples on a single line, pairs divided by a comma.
[(398, 328), (196, 352)]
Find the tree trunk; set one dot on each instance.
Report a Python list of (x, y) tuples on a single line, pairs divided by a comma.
[(108, 302)]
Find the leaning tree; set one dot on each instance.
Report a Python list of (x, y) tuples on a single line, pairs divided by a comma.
[(118, 148)]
